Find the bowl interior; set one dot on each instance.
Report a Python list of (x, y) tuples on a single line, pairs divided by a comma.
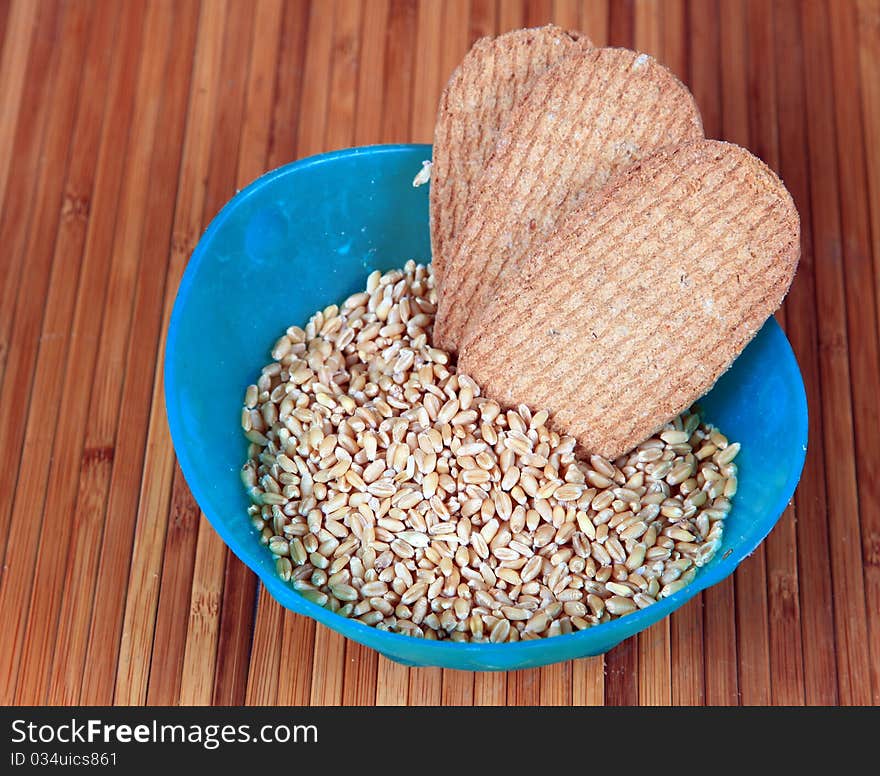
[(305, 236)]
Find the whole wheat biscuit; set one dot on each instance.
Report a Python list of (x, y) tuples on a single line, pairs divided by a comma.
[(589, 116), (642, 297), (495, 75)]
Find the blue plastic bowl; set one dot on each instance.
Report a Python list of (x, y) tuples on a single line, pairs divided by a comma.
[(305, 236)]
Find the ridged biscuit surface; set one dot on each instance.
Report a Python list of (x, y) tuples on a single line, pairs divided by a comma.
[(642, 297), (495, 75), (591, 115)]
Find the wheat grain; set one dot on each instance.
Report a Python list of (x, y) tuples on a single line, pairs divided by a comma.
[(387, 488)]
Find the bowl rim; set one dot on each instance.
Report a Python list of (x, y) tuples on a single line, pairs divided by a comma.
[(515, 653)]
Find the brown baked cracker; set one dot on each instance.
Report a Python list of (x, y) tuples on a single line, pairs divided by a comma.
[(495, 75), (589, 116), (642, 297)]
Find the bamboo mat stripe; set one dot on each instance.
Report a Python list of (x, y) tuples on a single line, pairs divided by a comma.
[(125, 128)]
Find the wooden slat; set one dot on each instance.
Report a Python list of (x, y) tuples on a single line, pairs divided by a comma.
[(621, 674), (704, 71), (427, 76), (360, 680), (178, 562), (686, 654), (197, 683), (843, 523), (814, 572), (5, 12), (295, 660), (345, 66), (458, 688), (23, 133), (15, 362), (158, 465), (861, 312), (655, 665), (567, 14), (313, 118), (264, 73), (94, 469), (784, 621), (588, 681), (392, 683), (556, 684), (328, 667), (288, 86), (621, 23), (538, 13), (25, 537), (371, 74), (399, 65), (869, 64), (511, 15), (484, 19), (595, 20), (19, 27), (733, 83), (648, 28), (675, 48), (425, 686), (52, 355), (456, 42), (490, 688), (263, 671), (868, 20), (524, 687)]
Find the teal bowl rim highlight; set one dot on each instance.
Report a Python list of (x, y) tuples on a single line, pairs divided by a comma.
[(521, 653)]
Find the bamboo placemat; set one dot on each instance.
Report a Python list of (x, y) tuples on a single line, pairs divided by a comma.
[(126, 126)]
